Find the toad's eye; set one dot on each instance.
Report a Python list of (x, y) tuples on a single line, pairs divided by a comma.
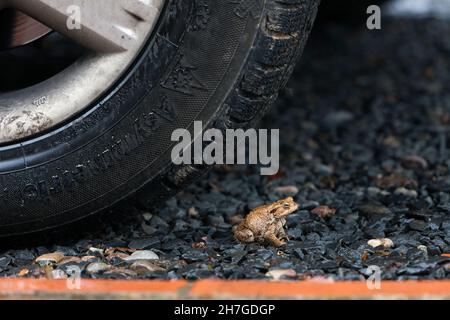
[(286, 205)]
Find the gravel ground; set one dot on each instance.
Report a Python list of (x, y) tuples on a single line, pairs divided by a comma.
[(364, 128)]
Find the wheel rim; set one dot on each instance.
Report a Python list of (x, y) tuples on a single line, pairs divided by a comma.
[(113, 31)]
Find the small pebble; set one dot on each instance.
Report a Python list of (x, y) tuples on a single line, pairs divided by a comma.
[(146, 266), (142, 255), (193, 212), (58, 274), (422, 248), (406, 192), (96, 250), (415, 162), (374, 209), (147, 216), (49, 258), (324, 211), (281, 274), (97, 267), (286, 190), (418, 225), (382, 242)]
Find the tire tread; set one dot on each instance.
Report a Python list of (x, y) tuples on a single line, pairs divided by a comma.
[(283, 34)]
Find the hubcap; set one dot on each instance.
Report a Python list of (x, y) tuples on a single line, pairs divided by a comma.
[(113, 31)]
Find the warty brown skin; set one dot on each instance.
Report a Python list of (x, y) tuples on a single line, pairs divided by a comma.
[(265, 224)]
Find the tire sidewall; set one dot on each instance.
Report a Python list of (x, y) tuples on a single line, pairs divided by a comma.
[(122, 141)]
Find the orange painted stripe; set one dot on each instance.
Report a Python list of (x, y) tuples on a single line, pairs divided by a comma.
[(44, 286), (216, 289), (314, 289)]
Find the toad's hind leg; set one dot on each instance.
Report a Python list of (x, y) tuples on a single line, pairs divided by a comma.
[(244, 235)]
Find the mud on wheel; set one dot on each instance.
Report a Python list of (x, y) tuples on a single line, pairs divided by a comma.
[(78, 140)]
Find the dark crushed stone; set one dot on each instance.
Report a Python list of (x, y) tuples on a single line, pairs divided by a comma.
[(364, 131)]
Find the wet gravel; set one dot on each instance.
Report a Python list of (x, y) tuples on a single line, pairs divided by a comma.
[(364, 128)]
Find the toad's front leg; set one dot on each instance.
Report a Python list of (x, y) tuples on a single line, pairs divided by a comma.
[(271, 236), (282, 234)]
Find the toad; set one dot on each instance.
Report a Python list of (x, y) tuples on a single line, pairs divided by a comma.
[(265, 224)]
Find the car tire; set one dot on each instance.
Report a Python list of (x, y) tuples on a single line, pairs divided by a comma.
[(220, 62)]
